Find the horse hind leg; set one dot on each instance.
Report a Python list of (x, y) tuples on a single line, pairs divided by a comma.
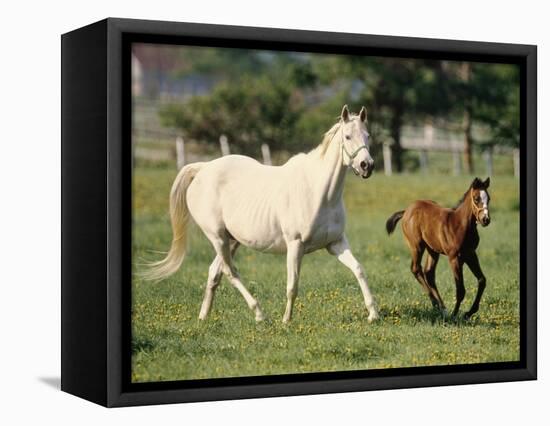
[(214, 278), (417, 251), (295, 252), (222, 247), (429, 275)]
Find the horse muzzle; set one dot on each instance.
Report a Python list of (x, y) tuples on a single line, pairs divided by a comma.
[(485, 221), (367, 168)]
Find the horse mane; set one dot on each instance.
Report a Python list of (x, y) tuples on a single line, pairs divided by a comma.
[(327, 139), (462, 198), (322, 148), (329, 136)]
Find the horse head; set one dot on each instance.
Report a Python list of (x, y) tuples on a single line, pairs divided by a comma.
[(355, 138), (480, 200)]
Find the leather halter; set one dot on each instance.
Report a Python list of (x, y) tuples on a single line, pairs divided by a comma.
[(354, 153)]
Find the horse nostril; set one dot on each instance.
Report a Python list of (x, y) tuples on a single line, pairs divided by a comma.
[(363, 165)]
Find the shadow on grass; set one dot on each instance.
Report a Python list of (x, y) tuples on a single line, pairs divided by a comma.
[(419, 314), (142, 344)]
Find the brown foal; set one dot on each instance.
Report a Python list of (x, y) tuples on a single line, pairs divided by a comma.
[(452, 232)]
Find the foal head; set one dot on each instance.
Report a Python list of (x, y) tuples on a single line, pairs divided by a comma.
[(355, 139), (479, 197)]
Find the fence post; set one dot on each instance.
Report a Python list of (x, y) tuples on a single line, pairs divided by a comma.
[(428, 133), (266, 154), (180, 152), (515, 153), (224, 145), (423, 157), (488, 154), (457, 163), (386, 151)]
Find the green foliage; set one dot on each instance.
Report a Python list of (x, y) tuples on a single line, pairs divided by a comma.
[(288, 99), (218, 62), (259, 110), (329, 331), (494, 91)]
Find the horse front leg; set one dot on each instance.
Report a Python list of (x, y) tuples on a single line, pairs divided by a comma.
[(473, 263), (294, 255), (342, 251), (456, 267)]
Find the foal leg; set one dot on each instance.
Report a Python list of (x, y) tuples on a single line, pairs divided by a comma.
[(416, 269), (221, 245), (429, 274), (294, 254), (456, 267), (214, 278), (473, 263), (342, 251)]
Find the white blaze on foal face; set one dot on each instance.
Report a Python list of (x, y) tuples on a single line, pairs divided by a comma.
[(481, 201), (485, 202)]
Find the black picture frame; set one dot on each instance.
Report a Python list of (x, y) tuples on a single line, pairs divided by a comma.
[(96, 213)]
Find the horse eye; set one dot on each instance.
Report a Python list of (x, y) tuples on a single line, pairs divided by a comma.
[(477, 199), (348, 137)]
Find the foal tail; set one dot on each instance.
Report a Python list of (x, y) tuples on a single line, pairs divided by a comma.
[(392, 221), (179, 216)]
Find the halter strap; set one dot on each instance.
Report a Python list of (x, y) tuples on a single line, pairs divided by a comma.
[(354, 153)]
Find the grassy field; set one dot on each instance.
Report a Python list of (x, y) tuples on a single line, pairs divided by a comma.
[(329, 330)]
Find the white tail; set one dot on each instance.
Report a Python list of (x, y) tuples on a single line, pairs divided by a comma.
[(179, 216)]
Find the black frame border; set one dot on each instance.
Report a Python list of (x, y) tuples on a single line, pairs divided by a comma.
[(119, 391)]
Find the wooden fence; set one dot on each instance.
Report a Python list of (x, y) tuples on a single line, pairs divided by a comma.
[(422, 140), (428, 138)]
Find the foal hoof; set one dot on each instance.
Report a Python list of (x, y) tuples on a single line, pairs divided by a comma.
[(259, 317)]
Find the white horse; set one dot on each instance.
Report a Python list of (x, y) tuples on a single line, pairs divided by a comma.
[(295, 208)]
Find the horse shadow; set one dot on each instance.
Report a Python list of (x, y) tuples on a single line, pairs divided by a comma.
[(426, 314)]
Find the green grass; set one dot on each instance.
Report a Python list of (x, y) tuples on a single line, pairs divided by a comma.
[(329, 330)]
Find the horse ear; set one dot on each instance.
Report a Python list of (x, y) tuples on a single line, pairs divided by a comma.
[(487, 182), (476, 183), (363, 115), (345, 113)]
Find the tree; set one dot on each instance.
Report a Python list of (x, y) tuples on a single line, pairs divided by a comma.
[(496, 101), (256, 111), (396, 89), (486, 94)]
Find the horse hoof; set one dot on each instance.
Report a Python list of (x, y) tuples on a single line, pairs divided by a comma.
[(260, 317), (373, 317)]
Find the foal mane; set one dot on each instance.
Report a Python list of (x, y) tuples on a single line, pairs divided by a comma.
[(463, 198)]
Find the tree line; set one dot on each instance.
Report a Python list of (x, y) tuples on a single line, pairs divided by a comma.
[(287, 99)]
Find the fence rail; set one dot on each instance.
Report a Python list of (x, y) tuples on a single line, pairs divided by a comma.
[(422, 140)]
